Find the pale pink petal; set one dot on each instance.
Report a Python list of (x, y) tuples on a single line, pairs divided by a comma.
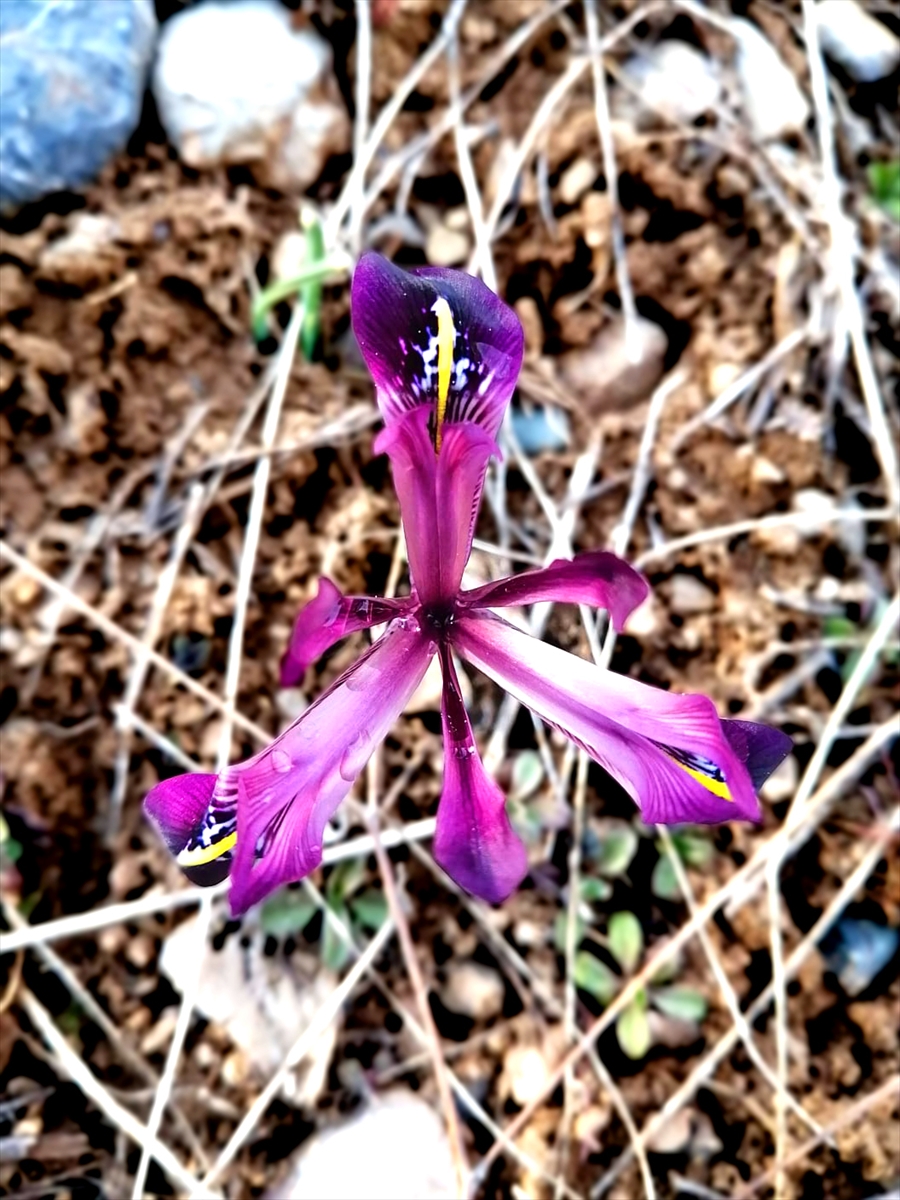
[(668, 751), (597, 578), (474, 841)]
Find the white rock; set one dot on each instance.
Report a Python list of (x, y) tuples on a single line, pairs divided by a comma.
[(526, 1074), (690, 596), (605, 375), (576, 180), (235, 83), (473, 991), (447, 247), (865, 47), (782, 783), (262, 1004), (675, 80), (396, 1149), (816, 506), (773, 100), (673, 1135)]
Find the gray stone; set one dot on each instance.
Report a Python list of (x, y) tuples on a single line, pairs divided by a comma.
[(71, 86)]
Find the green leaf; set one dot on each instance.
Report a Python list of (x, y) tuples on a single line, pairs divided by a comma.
[(594, 891), (839, 627), (346, 878), (633, 1028), (594, 977), (286, 913), (680, 1002), (560, 929), (617, 849), (626, 940), (884, 181), (527, 775), (370, 908), (663, 882), (334, 949), (693, 849)]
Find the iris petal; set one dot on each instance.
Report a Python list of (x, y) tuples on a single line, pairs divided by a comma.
[(327, 618), (439, 497), (474, 841), (289, 791), (396, 325), (654, 743), (597, 578)]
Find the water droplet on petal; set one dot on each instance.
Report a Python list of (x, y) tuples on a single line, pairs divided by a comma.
[(281, 761), (355, 756)]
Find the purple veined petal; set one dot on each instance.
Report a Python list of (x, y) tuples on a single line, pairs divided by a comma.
[(474, 841), (668, 751), (287, 793), (197, 823), (327, 618), (395, 323), (760, 748), (439, 496), (597, 578)]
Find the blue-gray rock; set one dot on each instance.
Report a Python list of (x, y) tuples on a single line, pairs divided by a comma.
[(859, 950), (71, 85)]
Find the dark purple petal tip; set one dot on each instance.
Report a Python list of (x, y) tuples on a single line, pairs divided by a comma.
[(759, 747), (395, 323)]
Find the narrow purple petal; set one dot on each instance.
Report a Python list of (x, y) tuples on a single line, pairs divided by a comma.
[(598, 578), (326, 619), (287, 793), (759, 747), (396, 326), (668, 751), (439, 496), (474, 841)]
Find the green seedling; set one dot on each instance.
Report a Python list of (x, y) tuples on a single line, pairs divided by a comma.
[(884, 184), (347, 902), (693, 849), (614, 849), (633, 1028), (306, 285), (625, 939), (840, 628)]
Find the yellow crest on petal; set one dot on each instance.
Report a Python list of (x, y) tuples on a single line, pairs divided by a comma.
[(446, 337)]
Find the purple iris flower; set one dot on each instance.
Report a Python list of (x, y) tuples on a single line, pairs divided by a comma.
[(445, 355)]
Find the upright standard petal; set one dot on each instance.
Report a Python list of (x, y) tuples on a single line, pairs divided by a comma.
[(327, 618), (474, 841), (439, 496), (395, 318), (668, 751), (286, 794), (597, 578)]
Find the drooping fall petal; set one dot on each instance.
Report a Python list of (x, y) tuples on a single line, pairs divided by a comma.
[(439, 496), (327, 618), (196, 823), (759, 747), (474, 841), (395, 322), (670, 752), (597, 578)]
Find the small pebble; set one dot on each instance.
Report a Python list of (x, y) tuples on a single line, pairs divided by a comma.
[(782, 783), (604, 375), (474, 991), (866, 48), (447, 247), (675, 81), (526, 1074), (773, 99), (576, 180), (673, 1135), (689, 596)]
